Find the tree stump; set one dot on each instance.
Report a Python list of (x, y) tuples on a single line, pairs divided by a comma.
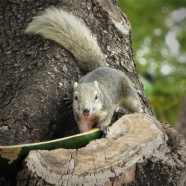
[(136, 151)]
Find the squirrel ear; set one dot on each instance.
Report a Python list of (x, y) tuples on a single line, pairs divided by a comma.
[(96, 83), (75, 85)]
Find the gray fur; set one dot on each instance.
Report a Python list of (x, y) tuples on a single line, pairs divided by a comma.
[(114, 90), (103, 90), (70, 32)]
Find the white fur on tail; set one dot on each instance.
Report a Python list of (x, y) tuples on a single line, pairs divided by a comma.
[(70, 32)]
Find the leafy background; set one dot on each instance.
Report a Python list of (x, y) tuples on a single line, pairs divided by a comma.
[(159, 43)]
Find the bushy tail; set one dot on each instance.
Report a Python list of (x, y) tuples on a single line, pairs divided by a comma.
[(70, 32)]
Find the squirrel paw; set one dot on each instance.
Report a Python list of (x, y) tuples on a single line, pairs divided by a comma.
[(104, 129), (68, 100)]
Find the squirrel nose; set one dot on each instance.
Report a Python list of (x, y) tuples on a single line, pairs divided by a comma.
[(86, 112)]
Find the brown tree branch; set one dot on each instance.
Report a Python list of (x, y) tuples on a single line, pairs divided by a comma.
[(133, 141)]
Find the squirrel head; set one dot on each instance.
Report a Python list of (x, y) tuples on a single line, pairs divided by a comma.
[(87, 98)]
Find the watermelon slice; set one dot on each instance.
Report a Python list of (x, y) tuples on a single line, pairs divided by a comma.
[(12, 156)]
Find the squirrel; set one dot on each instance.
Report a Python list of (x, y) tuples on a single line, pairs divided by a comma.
[(103, 90)]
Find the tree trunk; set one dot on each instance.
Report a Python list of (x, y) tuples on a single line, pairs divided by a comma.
[(38, 73)]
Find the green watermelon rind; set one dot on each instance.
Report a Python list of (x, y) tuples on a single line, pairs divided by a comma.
[(11, 157)]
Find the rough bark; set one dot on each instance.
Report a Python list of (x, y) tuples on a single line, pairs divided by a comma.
[(37, 73), (136, 151)]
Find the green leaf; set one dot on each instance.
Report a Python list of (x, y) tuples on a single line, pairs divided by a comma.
[(11, 157)]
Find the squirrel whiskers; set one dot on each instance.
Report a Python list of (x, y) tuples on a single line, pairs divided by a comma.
[(103, 90)]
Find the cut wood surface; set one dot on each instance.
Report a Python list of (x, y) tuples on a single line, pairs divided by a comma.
[(132, 139)]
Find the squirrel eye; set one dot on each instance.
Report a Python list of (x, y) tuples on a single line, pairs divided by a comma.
[(96, 97), (75, 97)]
